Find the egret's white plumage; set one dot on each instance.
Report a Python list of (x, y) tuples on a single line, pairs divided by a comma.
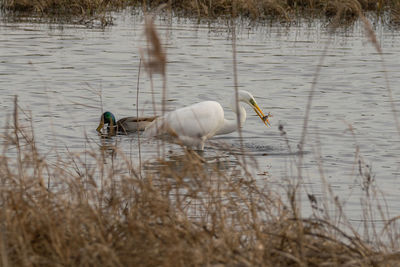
[(194, 124)]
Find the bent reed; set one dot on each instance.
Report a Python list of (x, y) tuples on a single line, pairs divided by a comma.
[(282, 10)]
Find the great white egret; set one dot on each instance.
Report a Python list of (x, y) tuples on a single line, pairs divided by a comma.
[(124, 125), (194, 124)]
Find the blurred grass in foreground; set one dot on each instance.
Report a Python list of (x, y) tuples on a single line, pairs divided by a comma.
[(75, 210)]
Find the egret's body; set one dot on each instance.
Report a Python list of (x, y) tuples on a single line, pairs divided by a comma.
[(124, 125), (194, 124)]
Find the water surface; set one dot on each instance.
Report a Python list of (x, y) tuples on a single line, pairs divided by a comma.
[(60, 71)]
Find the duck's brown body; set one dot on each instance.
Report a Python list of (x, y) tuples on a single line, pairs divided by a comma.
[(124, 125), (133, 124)]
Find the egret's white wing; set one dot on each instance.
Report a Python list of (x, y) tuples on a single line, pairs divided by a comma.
[(192, 124)]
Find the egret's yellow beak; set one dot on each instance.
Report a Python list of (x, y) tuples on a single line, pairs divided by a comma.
[(261, 115), (101, 124)]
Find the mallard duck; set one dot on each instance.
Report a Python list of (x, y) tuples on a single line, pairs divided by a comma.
[(124, 125)]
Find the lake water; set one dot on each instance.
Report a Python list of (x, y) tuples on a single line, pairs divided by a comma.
[(59, 71)]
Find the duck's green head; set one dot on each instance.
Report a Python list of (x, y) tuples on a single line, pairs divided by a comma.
[(107, 118)]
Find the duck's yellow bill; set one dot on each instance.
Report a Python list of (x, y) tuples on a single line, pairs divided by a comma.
[(101, 124), (263, 117)]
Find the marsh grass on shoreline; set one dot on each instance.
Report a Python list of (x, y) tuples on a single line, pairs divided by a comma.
[(279, 10)]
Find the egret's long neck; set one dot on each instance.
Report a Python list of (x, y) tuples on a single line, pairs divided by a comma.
[(231, 125)]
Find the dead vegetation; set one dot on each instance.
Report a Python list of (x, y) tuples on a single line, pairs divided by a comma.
[(77, 211), (281, 10)]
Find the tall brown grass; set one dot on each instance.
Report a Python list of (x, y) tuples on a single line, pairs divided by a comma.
[(78, 211)]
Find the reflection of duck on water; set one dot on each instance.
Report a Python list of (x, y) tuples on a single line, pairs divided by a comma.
[(124, 125)]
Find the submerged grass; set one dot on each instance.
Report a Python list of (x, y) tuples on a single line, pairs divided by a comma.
[(282, 10)]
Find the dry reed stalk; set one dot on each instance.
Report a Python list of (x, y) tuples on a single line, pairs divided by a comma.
[(137, 115), (236, 90), (372, 38), (156, 57), (155, 60)]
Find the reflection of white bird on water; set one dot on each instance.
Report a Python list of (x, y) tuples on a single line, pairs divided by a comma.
[(194, 124)]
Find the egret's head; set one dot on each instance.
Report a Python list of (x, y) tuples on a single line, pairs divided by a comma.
[(107, 118), (249, 99)]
